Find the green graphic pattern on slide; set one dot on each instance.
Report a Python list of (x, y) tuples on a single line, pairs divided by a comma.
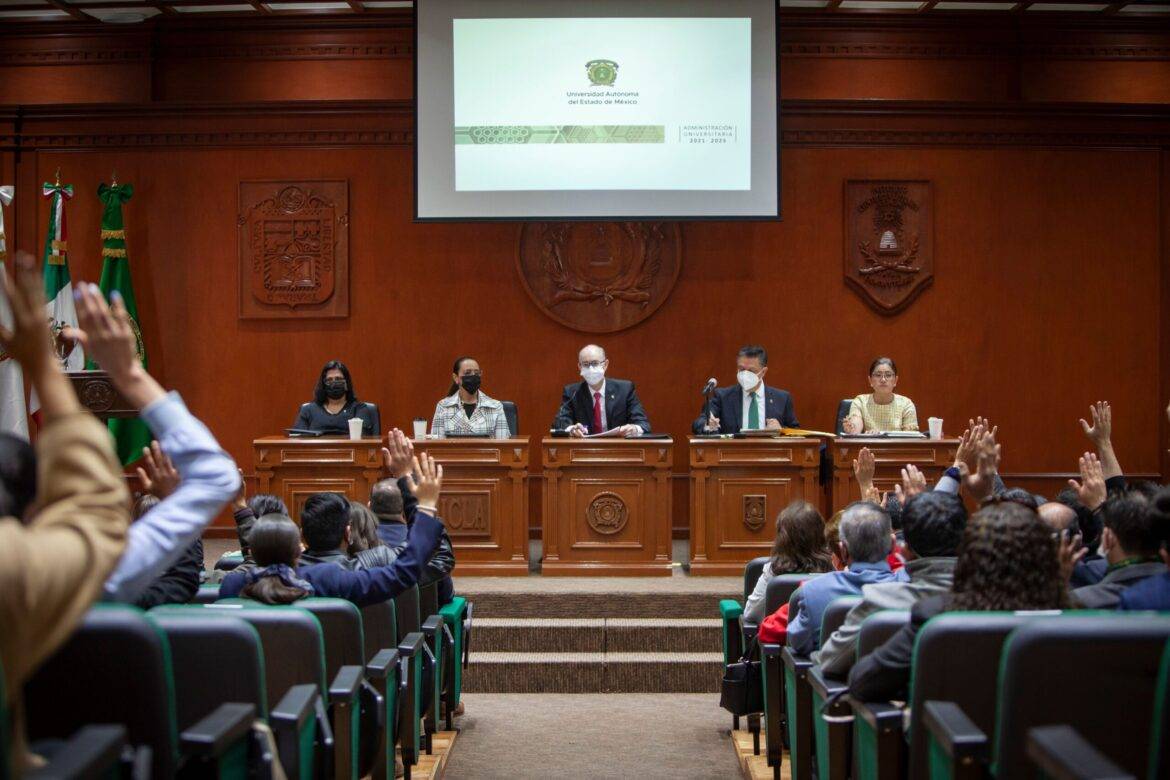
[(560, 134)]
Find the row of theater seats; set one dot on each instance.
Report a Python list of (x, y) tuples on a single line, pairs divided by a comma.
[(193, 690), (1074, 695)]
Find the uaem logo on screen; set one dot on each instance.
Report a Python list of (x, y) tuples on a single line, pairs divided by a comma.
[(602, 73)]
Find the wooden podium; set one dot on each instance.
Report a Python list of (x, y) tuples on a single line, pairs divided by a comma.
[(738, 487), (932, 456), (606, 506), (294, 469), (484, 502)]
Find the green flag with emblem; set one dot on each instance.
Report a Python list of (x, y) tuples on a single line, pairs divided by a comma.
[(131, 435)]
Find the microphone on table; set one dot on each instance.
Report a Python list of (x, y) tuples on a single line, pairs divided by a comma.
[(707, 388)]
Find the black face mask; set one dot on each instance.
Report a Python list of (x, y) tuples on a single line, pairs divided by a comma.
[(470, 383), (335, 389)]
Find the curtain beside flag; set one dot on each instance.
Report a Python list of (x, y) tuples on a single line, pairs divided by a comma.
[(130, 435), (13, 417)]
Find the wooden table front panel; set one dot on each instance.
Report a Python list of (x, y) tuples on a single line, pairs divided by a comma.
[(294, 469), (606, 506), (932, 457), (484, 502), (738, 487)]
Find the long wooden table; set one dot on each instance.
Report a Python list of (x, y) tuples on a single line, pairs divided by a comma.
[(606, 506), (932, 456), (484, 502), (738, 487)]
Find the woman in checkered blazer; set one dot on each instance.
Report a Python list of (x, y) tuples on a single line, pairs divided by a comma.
[(467, 409)]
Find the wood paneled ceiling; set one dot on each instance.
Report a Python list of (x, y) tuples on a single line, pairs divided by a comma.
[(134, 11)]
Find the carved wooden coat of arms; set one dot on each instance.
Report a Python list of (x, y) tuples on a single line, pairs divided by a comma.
[(294, 249), (889, 241), (599, 277)]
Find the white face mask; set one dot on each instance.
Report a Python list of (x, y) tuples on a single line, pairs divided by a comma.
[(593, 375), (747, 380)]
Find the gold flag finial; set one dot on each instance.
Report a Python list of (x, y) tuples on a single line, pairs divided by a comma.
[(114, 178), (57, 177)]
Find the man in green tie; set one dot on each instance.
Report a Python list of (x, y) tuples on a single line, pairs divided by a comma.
[(749, 404)]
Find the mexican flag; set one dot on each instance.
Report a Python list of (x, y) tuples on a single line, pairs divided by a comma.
[(58, 287), (130, 435), (13, 416)]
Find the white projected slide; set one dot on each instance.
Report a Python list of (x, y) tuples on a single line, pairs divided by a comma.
[(602, 104)]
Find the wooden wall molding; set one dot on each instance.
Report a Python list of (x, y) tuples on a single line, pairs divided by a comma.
[(271, 52), (75, 56), (390, 124)]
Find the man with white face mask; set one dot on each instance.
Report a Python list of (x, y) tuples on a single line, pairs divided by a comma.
[(749, 404), (598, 404)]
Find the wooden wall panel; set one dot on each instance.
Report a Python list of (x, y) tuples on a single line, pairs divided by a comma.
[(246, 82), (1097, 81), (49, 84), (1041, 303)]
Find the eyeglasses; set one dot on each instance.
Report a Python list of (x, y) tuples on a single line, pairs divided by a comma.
[(883, 376), (593, 364)]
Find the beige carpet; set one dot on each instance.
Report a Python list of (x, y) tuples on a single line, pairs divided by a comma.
[(639, 736)]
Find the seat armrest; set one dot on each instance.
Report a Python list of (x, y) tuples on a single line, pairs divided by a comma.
[(880, 716), (346, 684), (382, 664), (824, 687), (289, 719), (953, 731), (214, 734), (1061, 753), (768, 650), (91, 752), (793, 661), (411, 645), (432, 625), (296, 706), (730, 609)]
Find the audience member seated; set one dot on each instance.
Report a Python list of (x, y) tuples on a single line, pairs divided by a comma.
[(932, 524), (881, 410), (466, 409), (365, 546), (245, 512), (1007, 561), (325, 527), (207, 476), (1130, 545), (180, 583), (1153, 592), (799, 548), (276, 547), (64, 507), (866, 538), (334, 404)]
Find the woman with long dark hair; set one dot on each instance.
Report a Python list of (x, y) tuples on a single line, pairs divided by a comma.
[(467, 410), (1008, 560), (334, 404), (799, 547)]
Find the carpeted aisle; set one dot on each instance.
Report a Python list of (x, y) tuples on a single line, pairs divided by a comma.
[(518, 735)]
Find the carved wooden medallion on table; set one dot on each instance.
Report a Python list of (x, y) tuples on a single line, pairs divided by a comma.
[(599, 277), (755, 512), (294, 249), (607, 513), (889, 243)]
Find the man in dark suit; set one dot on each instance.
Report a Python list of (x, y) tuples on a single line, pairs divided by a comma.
[(749, 404), (598, 404)]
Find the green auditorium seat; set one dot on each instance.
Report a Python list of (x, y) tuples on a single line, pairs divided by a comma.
[(383, 672), (410, 660), (832, 721), (1097, 673), (457, 615), (116, 668), (794, 694), (92, 752), (220, 655), (975, 637), (380, 627), (207, 594)]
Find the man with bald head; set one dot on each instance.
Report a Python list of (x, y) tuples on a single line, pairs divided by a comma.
[(598, 404)]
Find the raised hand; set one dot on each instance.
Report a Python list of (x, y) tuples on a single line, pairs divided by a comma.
[(965, 454), (1100, 432), (1091, 489), (241, 499), (399, 456), (157, 474), (1069, 552), (428, 481), (863, 469), (108, 337), (913, 483), (980, 481)]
